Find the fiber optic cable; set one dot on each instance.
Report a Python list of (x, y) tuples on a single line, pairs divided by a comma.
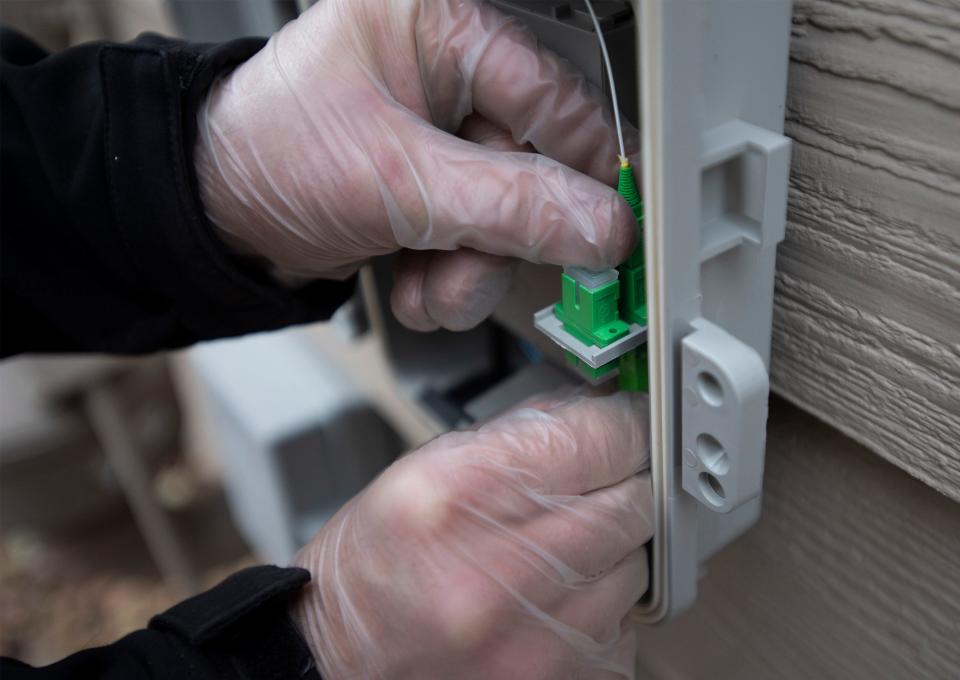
[(611, 80)]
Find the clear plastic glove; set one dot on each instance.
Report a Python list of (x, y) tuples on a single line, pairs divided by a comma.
[(371, 126), (512, 551)]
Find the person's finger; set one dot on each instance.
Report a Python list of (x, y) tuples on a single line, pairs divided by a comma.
[(554, 398), (479, 130), (477, 57), (445, 193), (592, 533), (623, 655), (406, 296), (547, 401), (609, 439), (459, 289), (585, 624), (590, 622), (569, 538), (453, 290), (598, 607), (575, 448)]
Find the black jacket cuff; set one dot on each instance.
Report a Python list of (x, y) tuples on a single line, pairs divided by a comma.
[(216, 292), (240, 629), (242, 626)]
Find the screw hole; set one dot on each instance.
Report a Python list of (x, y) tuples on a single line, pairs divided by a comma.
[(711, 391), (712, 489), (712, 454)]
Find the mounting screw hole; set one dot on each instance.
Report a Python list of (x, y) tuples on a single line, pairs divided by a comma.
[(711, 391), (711, 453), (711, 488)]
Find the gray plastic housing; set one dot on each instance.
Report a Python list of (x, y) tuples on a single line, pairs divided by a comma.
[(219, 20), (712, 76), (715, 171)]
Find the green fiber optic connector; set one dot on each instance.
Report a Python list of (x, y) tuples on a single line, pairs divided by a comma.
[(591, 315), (633, 299), (602, 314), (634, 371), (627, 187), (633, 293), (587, 370)]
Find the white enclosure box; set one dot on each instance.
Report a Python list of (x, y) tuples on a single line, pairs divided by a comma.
[(715, 170), (712, 79)]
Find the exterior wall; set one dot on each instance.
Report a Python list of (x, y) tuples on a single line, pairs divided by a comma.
[(850, 573), (867, 322)]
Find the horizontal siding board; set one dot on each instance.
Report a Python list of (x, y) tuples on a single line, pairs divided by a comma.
[(866, 328)]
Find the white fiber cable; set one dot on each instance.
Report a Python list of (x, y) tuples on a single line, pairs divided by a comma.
[(613, 84)]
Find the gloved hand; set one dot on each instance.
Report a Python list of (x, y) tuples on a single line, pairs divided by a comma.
[(512, 551), (337, 142)]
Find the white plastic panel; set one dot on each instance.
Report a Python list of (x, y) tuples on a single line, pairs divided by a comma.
[(595, 357), (715, 171)]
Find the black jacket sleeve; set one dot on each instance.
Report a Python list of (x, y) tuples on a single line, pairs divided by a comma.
[(238, 630), (104, 245)]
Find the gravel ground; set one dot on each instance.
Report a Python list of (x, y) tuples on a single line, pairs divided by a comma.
[(88, 587)]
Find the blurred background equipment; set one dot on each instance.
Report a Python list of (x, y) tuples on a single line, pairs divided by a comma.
[(297, 439), (219, 20)]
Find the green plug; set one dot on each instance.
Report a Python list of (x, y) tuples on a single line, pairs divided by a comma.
[(634, 367), (633, 293), (590, 314), (601, 315), (627, 187)]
